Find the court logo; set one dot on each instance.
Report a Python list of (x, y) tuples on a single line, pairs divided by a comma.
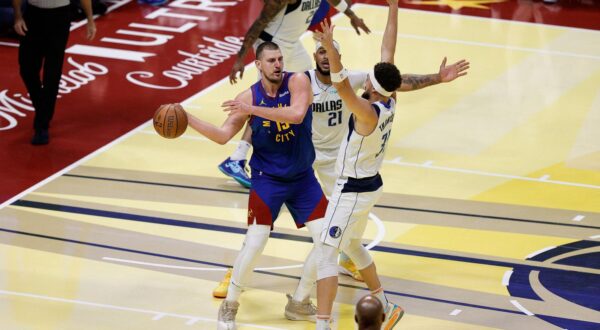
[(335, 231)]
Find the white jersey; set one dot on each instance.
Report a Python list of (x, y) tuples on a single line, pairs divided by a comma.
[(292, 21), (330, 115), (362, 156)]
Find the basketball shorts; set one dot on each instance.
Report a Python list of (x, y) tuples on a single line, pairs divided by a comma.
[(295, 56), (348, 210), (302, 196), (325, 169)]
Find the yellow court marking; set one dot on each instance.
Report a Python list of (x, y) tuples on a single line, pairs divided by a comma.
[(275, 247), (495, 121), (447, 273), (468, 276), (52, 290), (498, 244), (483, 131)]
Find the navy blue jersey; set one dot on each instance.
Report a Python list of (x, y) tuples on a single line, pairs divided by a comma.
[(281, 150)]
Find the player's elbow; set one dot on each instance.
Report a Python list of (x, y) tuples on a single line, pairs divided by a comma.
[(222, 140), (297, 118)]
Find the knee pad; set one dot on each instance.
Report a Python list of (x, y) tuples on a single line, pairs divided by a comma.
[(254, 244), (359, 254), (326, 261)]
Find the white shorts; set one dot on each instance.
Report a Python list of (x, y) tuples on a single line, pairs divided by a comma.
[(295, 56), (347, 214), (327, 175)]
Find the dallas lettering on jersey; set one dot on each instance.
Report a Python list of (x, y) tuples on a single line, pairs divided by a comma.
[(388, 121), (327, 106), (311, 5)]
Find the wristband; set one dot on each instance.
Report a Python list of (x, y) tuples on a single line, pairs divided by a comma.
[(338, 77), (342, 6)]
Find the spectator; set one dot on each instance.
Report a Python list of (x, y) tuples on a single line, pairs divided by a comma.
[(44, 31)]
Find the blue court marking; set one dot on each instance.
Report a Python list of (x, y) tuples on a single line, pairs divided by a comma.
[(445, 301), (559, 250), (104, 246), (471, 215), (577, 288), (237, 230)]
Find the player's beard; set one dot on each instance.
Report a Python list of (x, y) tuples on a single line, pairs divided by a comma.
[(321, 71), (275, 80), (366, 95)]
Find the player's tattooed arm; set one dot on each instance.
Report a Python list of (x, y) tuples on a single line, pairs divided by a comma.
[(412, 82), (269, 11), (447, 73)]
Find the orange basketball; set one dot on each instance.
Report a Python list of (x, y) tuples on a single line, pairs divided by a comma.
[(170, 120)]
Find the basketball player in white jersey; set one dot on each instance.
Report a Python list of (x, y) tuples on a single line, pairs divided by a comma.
[(329, 128), (282, 22), (359, 184), (330, 118)]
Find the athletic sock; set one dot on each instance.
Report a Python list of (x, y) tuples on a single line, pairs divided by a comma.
[(241, 152)]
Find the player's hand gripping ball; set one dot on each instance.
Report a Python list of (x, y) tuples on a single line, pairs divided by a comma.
[(170, 120)]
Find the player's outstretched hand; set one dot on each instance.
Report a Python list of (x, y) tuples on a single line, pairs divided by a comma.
[(359, 24), (238, 66), (325, 36), (234, 107), (392, 3), (453, 71)]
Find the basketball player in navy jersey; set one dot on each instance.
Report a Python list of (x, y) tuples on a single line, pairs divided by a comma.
[(277, 108), (359, 184), (282, 22)]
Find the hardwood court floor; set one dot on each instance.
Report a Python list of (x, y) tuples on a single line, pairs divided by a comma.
[(490, 217)]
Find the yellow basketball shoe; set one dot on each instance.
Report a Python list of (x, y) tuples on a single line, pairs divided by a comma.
[(221, 290), (347, 267)]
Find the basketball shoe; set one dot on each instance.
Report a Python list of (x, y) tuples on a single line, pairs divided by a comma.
[(347, 267), (237, 170), (393, 314), (221, 290), (300, 310), (227, 312)]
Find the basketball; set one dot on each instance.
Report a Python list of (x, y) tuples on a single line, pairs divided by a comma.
[(170, 120)]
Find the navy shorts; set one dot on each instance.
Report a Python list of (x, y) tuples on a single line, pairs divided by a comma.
[(302, 196)]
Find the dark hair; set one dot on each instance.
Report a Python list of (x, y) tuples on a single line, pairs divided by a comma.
[(388, 76), (268, 45)]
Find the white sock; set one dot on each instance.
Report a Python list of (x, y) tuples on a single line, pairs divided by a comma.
[(309, 276), (241, 152), (381, 296), (254, 244), (323, 322)]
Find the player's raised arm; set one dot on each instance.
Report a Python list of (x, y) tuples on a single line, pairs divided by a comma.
[(360, 108), (301, 99), (269, 11), (343, 6), (388, 43), (232, 125), (411, 82)]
